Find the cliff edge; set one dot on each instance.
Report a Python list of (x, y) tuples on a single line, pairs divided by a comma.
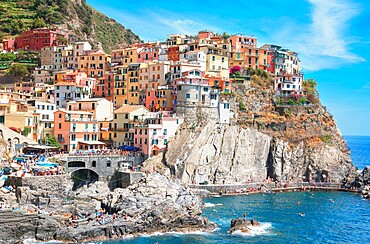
[(269, 136)]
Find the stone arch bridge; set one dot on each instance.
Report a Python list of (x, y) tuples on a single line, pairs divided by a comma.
[(103, 165)]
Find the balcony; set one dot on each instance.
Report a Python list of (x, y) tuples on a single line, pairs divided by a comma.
[(61, 139)]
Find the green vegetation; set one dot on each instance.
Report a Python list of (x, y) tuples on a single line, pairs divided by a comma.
[(18, 70), (17, 16), (309, 86), (294, 100), (26, 131), (242, 106), (51, 141), (327, 139), (7, 57)]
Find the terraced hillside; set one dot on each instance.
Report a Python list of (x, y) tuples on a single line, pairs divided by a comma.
[(76, 15)]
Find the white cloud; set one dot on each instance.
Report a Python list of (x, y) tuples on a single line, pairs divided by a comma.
[(325, 44)]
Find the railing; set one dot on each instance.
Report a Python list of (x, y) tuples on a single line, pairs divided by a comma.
[(61, 139)]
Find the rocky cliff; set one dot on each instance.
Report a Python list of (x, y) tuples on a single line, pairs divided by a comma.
[(298, 141)]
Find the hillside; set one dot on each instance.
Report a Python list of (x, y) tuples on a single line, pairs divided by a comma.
[(76, 15)]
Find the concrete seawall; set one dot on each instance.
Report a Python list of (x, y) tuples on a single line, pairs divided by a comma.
[(232, 189)]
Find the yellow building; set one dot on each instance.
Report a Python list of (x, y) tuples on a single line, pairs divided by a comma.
[(126, 87), (94, 64), (124, 121), (125, 55), (19, 115), (217, 64), (105, 132)]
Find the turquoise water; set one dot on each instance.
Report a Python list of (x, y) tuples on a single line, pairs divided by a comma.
[(321, 217), (330, 217)]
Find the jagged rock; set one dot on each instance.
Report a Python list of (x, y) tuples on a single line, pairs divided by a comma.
[(225, 154), (242, 225)]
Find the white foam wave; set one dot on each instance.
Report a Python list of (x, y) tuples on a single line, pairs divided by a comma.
[(188, 233), (263, 229), (211, 205)]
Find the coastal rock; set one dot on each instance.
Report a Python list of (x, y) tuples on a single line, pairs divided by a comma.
[(242, 225), (155, 204), (229, 154)]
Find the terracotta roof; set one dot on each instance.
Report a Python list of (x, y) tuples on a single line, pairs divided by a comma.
[(127, 109)]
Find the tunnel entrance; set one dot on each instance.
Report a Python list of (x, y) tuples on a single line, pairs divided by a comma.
[(83, 177)]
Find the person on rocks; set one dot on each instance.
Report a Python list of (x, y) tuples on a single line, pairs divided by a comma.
[(114, 217), (245, 216)]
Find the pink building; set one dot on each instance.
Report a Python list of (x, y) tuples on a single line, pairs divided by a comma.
[(238, 42), (8, 45), (147, 54), (153, 135)]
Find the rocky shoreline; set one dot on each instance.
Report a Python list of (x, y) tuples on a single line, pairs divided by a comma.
[(156, 204)]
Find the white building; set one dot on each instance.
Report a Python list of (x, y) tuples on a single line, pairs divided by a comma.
[(66, 92), (46, 123), (287, 84)]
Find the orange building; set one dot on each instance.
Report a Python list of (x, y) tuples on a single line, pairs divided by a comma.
[(238, 42), (76, 130)]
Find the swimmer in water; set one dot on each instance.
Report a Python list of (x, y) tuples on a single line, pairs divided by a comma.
[(331, 200), (302, 214)]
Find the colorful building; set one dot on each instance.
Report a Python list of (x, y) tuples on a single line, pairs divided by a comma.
[(287, 84), (153, 134), (125, 118), (9, 45), (39, 38), (76, 130)]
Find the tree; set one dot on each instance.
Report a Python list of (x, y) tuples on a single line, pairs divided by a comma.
[(18, 70), (38, 23), (51, 141), (62, 40), (309, 86), (26, 131)]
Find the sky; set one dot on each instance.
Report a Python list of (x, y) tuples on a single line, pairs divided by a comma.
[(332, 38)]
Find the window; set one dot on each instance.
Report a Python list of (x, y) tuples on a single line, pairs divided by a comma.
[(108, 164), (60, 125), (93, 164), (164, 131), (60, 116), (73, 137), (155, 132), (165, 141), (187, 95), (226, 106)]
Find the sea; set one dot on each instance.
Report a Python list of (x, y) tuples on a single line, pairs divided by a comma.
[(292, 217)]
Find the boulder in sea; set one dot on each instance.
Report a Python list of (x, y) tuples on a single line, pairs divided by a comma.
[(242, 225)]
